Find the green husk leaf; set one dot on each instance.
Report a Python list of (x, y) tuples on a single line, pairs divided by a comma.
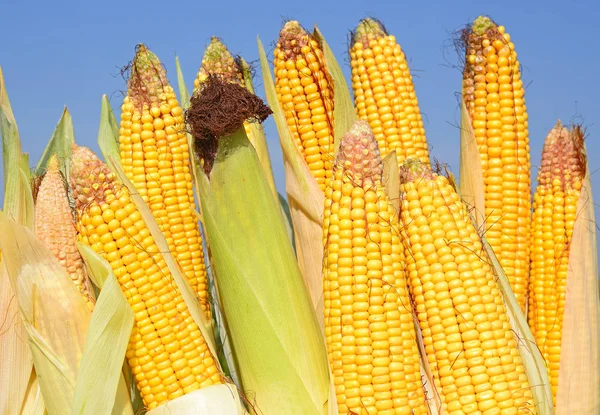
[(183, 285), (579, 374), (471, 171), (215, 399), (343, 108), (305, 199), (391, 179), (100, 375), (275, 334), (60, 144), (259, 138), (11, 152), (54, 314), (184, 95), (108, 133), (287, 216), (26, 214)]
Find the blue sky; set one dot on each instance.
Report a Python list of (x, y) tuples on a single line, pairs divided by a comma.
[(69, 52)]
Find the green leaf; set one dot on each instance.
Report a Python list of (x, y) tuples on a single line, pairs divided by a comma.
[(99, 375), (60, 144), (260, 286), (287, 216), (108, 133), (11, 152), (343, 108), (26, 209), (184, 95)]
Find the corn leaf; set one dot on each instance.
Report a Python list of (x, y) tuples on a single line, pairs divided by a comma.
[(100, 374), (11, 152), (108, 133), (305, 198), (54, 314), (26, 209), (579, 374), (215, 399), (287, 217), (34, 403), (391, 179), (275, 335), (343, 108), (258, 137), (60, 144), (471, 171), (184, 95)]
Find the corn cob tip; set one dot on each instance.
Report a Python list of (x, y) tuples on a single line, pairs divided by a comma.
[(292, 38), (563, 157), (482, 24), (147, 78), (359, 154), (89, 176), (413, 169), (218, 60), (368, 29)]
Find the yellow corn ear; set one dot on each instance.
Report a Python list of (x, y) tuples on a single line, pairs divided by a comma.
[(54, 225), (305, 92), (370, 334), (560, 180), (167, 353), (156, 158), (471, 349), (495, 98), (384, 93)]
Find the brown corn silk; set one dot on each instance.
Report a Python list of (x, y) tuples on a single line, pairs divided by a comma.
[(305, 92), (555, 202), (155, 156), (495, 99), (55, 226), (371, 339), (384, 93), (167, 353), (469, 344)]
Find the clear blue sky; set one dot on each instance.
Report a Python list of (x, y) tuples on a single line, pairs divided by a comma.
[(60, 53)]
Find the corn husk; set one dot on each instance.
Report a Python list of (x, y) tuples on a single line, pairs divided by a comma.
[(579, 373), (215, 399), (60, 144), (472, 195), (19, 387), (108, 133), (275, 335), (391, 179)]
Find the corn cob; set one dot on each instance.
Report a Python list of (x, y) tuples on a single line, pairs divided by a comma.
[(384, 93), (167, 353), (369, 327), (155, 157), (305, 92), (55, 226), (495, 98), (468, 340), (555, 202)]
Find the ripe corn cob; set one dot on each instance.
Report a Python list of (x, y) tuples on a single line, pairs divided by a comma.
[(369, 327), (155, 157), (384, 93), (555, 203), (468, 340), (167, 353), (495, 98), (305, 92), (54, 225)]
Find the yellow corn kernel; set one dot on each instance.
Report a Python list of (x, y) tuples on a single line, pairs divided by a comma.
[(470, 346), (555, 201), (384, 93), (494, 95), (305, 92), (156, 158), (160, 362), (370, 335)]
